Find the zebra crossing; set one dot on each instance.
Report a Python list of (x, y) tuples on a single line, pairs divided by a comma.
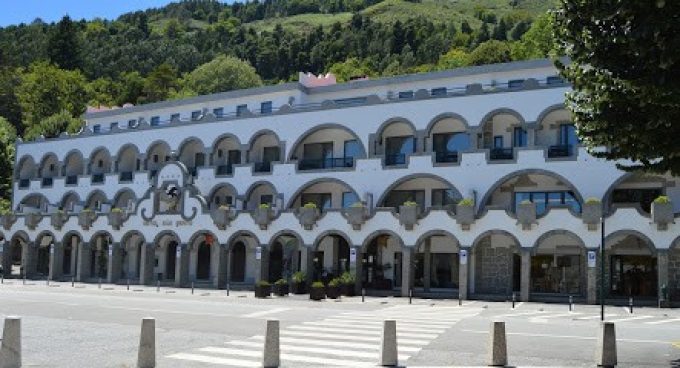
[(349, 339), (542, 316)]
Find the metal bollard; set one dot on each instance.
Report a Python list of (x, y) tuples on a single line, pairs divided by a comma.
[(460, 299), (24, 279), (100, 283), (192, 288), (513, 300), (128, 284), (227, 289), (410, 296), (73, 281), (158, 286), (363, 294), (571, 302), (630, 304)]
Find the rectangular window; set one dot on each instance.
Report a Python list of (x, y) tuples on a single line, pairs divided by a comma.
[(155, 159), (498, 141), (241, 110), (544, 200), (318, 151), (396, 198), (321, 200), (438, 91), (568, 135), (352, 148), (266, 107), (554, 80), (643, 197), (174, 117), (195, 115), (234, 157), (155, 120), (267, 199), (218, 112), (96, 128), (348, 199), (519, 137), (444, 198), (406, 94), (515, 83)]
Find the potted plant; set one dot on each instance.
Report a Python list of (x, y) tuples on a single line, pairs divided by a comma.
[(116, 218), (348, 283), (333, 288), (356, 215), (408, 214), (316, 291), (299, 284), (308, 214), (662, 212), (8, 219), (281, 287), (58, 219), (32, 219), (222, 216), (263, 215), (86, 217), (591, 213), (263, 289), (526, 214), (465, 213)]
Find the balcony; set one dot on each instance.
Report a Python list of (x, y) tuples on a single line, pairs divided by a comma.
[(125, 177), (227, 169), (561, 150), (395, 159), (24, 183), (97, 178), (501, 154), (72, 180), (262, 167), (446, 156), (326, 163), (46, 182)]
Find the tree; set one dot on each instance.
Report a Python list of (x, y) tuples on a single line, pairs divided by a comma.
[(54, 125), (349, 68), (625, 73), (8, 137), (63, 45), (537, 42), (490, 52), (455, 58), (9, 103), (159, 83), (46, 90), (224, 73)]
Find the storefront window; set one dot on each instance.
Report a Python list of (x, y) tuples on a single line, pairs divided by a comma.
[(443, 270), (557, 274), (633, 275)]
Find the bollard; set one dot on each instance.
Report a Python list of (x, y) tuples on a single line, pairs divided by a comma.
[(388, 345), (605, 353), (630, 304), (271, 352), (227, 289), (460, 299), (498, 350), (47, 280), (571, 302), (100, 283), (410, 296), (2, 277), (146, 357), (192, 288), (158, 286), (24, 279), (10, 352), (363, 294), (513, 300), (128, 283), (73, 281)]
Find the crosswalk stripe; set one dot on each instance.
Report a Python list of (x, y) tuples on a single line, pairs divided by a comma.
[(413, 316), (547, 316), (663, 321), (290, 357), (427, 322), (306, 349), (311, 326), (216, 360), (341, 344), (626, 319), (520, 314), (342, 334), (265, 312), (375, 325)]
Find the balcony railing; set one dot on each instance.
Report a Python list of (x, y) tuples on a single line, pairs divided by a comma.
[(325, 163), (47, 182), (125, 176), (24, 183), (561, 150), (395, 159), (227, 169), (262, 167), (501, 154), (72, 180), (97, 178), (446, 156)]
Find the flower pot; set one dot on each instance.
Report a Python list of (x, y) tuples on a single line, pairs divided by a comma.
[(526, 215), (281, 290), (591, 213), (308, 217), (262, 291), (662, 214), (333, 292), (86, 218), (8, 220), (465, 216), (222, 217), (116, 219), (356, 216), (299, 288), (408, 216), (32, 220), (263, 217), (317, 293), (58, 219)]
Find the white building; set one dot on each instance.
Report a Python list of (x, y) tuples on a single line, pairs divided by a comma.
[(173, 191)]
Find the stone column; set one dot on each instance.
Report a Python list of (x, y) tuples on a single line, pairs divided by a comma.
[(406, 270), (28, 259), (182, 265), (6, 255), (56, 260), (463, 261), (336, 254), (591, 276), (525, 280), (220, 277), (355, 268), (262, 264), (83, 262), (113, 269), (427, 264), (531, 136), (146, 264), (662, 269)]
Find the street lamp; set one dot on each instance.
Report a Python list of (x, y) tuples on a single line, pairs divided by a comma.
[(602, 267)]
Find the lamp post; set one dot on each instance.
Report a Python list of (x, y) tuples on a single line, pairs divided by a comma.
[(602, 259)]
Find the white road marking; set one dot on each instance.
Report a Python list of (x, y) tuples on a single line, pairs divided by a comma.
[(307, 349), (544, 318), (520, 314), (265, 312), (572, 337), (625, 319), (309, 326), (348, 335), (663, 321), (216, 360), (374, 325), (340, 344)]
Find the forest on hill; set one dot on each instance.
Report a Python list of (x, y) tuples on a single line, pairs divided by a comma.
[(50, 72)]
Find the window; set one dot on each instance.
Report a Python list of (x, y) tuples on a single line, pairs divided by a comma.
[(321, 200), (397, 148), (100, 164), (266, 107), (195, 115), (348, 199), (447, 145), (439, 91), (271, 154), (515, 83), (97, 129), (227, 200), (155, 159), (498, 141), (218, 112), (643, 197), (132, 123), (519, 137), (241, 109), (51, 167), (114, 126), (352, 148), (444, 197), (406, 94), (554, 80), (219, 153), (234, 157), (155, 120), (396, 198), (543, 200), (350, 101), (267, 199), (568, 135), (174, 117)]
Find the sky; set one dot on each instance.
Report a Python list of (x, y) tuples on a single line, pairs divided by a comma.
[(18, 11)]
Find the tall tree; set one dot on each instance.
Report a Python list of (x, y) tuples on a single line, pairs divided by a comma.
[(625, 71), (160, 83), (63, 45), (52, 126), (8, 136), (224, 73)]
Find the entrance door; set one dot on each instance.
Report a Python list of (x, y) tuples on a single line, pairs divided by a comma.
[(238, 263), (170, 260), (43, 266), (203, 262), (66, 264), (276, 262), (633, 276)]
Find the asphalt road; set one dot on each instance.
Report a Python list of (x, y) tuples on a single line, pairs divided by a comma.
[(90, 327)]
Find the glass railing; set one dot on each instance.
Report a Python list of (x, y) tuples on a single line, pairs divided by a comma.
[(446, 156), (125, 176), (47, 182), (395, 159), (560, 150), (227, 169), (325, 163), (97, 178), (24, 183), (501, 154), (262, 166)]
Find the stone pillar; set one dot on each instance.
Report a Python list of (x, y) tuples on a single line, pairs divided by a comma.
[(113, 269), (28, 259), (220, 258), (83, 262), (464, 260), (336, 255), (525, 280), (146, 264), (182, 265), (355, 267), (591, 275), (6, 254), (427, 263), (406, 270), (662, 269), (262, 264), (56, 260), (531, 136)]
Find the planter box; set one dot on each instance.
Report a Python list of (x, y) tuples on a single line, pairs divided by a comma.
[(263, 291), (86, 218), (281, 290), (58, 219), (662, 215), (348, 290), (263, 217), (526, 215), (408, 216), (333, 292), (31, 220), (465, 216), (299, 288), (222, 217), (356, 216), (116, 219), (308, 217), (8, 220), (317, 293), (591, 214)]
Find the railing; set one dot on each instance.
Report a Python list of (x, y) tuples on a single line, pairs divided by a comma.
[(446, 156), (47, 182), (395, 159), (326, 163), (561, 150), (125, 176), (97, 178), (501, 154), (262, 166), (72, 180), (227, 169), (24, 183)]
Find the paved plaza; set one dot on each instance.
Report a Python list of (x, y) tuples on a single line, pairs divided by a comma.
[(85, 326)]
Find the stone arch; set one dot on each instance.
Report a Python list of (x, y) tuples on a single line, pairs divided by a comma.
[(201, 233), (675, 244), (326, 233), (26, 168), (74, 163), (252, 189), (157, 154), (644, 238), (45, 171), (487, 233), (191, 153), (290, 233), (34, 200), (501, 111), (126, 237), (446, 115), (121, 198), (164, 233), (394, 120), (554, 232), (242, 233), (372, 236), (313, 182), (13, 255), (435, 232), (100, 161), (261, 133), (550, 109), (409, 177), (93, 197), (327, 126), (218, 189), (127, 158), (607, 199), (69, 235)]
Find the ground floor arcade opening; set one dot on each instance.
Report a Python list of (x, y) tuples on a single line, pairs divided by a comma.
[(496, 266), (382, 263), (631, 265), (436, 265), (330, 258), (558, 266)]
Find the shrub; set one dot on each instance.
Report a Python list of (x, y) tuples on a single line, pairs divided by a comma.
[(281, 282), (263, 283), (662, 200), (317, 285), (310, 205), (357, 204), (224, 207), (116, 210), (264, 206), (86, 210), (299, 277), (410, 204), (347, 278), (335, 282), (526, 201), (466, 202), (592, 200)]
